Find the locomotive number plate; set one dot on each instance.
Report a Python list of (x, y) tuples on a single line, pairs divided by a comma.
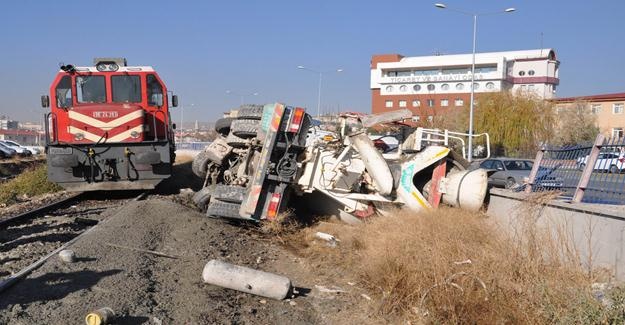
[(61, 151)]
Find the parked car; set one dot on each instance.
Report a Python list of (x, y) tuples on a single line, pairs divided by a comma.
[(6, 151), (614, 162), (21, 150), (511, 172)]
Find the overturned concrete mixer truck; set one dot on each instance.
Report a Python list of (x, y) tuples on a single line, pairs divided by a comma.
[(266, 156)]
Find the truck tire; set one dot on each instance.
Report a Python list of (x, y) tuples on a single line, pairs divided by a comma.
[(245, 128), (222, 125), (251, 112), (201, 197), (236, 142), (230, 194), (223, 209), (200, 162)]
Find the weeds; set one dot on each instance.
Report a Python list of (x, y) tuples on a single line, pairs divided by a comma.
[(452, 266), (29, 183)]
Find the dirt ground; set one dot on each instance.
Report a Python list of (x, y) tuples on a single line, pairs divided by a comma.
[(147, 289)]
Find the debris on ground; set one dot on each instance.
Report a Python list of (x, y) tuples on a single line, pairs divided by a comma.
[(247, 280)]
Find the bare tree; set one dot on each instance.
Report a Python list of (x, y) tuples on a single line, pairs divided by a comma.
[(575, 124)]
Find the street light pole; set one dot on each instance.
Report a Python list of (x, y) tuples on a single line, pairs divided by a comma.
[(182, 118), (241, 96), (301, 67), (471, 104)]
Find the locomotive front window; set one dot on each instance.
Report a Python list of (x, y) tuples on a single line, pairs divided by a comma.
[(155, 91), (126, 89), (63, 92), (91, 89)]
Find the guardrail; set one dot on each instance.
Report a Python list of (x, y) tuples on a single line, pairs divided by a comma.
[(195, 146), (592, 173)]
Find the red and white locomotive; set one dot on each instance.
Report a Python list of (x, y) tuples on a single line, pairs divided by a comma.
[(109, 127)]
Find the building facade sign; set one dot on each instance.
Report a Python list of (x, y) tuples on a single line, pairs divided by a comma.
[(457, 77)]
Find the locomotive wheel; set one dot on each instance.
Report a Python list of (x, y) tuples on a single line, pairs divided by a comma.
[(200, 162), (230, 194), (201, 197), (252, 112), (245, 128), (222, 125), (221, 209)]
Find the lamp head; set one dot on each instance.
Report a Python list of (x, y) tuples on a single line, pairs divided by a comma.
[(440, 5), (510, 10)]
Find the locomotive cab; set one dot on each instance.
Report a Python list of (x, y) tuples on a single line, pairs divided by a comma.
[(108, 127)]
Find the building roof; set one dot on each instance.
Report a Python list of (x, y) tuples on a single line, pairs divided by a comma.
[(446, 59), (592, 98)]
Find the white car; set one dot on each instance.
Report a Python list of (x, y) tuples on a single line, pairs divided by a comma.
[(21, 150), (613, 162)]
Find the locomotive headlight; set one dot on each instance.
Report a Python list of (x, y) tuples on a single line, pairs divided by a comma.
[(134, 134), (79, 136), (107, 66)]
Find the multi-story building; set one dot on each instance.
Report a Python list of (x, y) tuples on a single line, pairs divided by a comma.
[(434, 85), (7, 124), (609, 110)]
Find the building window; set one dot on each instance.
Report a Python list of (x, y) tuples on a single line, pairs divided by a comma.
[(416, 87), (389, 89), (476, 86), (523, 87), (595, 108), (617, 133), (445, 87), (617, 108), (391, 73), (430, 87), (416, 103), (530, 87), (430, 103), (459, 86), (444, 102), (430, 118), (402, 103), (389, 104), (490, 85), (403, 88), (531, 72), (416, 118), (459, 102), (521, 73)]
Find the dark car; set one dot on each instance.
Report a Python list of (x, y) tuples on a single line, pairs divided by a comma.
[(512, 172), (6, 151)]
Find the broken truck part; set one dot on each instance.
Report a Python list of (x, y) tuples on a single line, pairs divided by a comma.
[(247, 280), (265, 155)]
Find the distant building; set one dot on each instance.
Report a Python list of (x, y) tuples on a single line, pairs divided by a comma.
[(431, 85), (30, 126), (608, 108), (7, 124), (24, 137)]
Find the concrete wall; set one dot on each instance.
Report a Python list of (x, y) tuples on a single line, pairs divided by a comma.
[(596, 231)]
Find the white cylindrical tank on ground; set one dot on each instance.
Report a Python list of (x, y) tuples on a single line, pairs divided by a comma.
[(246, 279), (466, 189)]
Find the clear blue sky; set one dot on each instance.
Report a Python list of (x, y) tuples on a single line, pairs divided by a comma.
[(203, 48)]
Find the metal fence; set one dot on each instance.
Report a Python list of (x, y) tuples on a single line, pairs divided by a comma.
[(592, 173), (195, 146)]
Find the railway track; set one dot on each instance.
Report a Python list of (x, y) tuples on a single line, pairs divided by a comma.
[(30, 238)]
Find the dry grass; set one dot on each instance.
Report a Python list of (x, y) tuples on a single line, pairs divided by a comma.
[(452, 266), (29, 183), (181, 159)]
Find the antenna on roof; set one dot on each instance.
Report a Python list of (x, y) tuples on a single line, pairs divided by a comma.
[(541, 44), (438, 52)]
